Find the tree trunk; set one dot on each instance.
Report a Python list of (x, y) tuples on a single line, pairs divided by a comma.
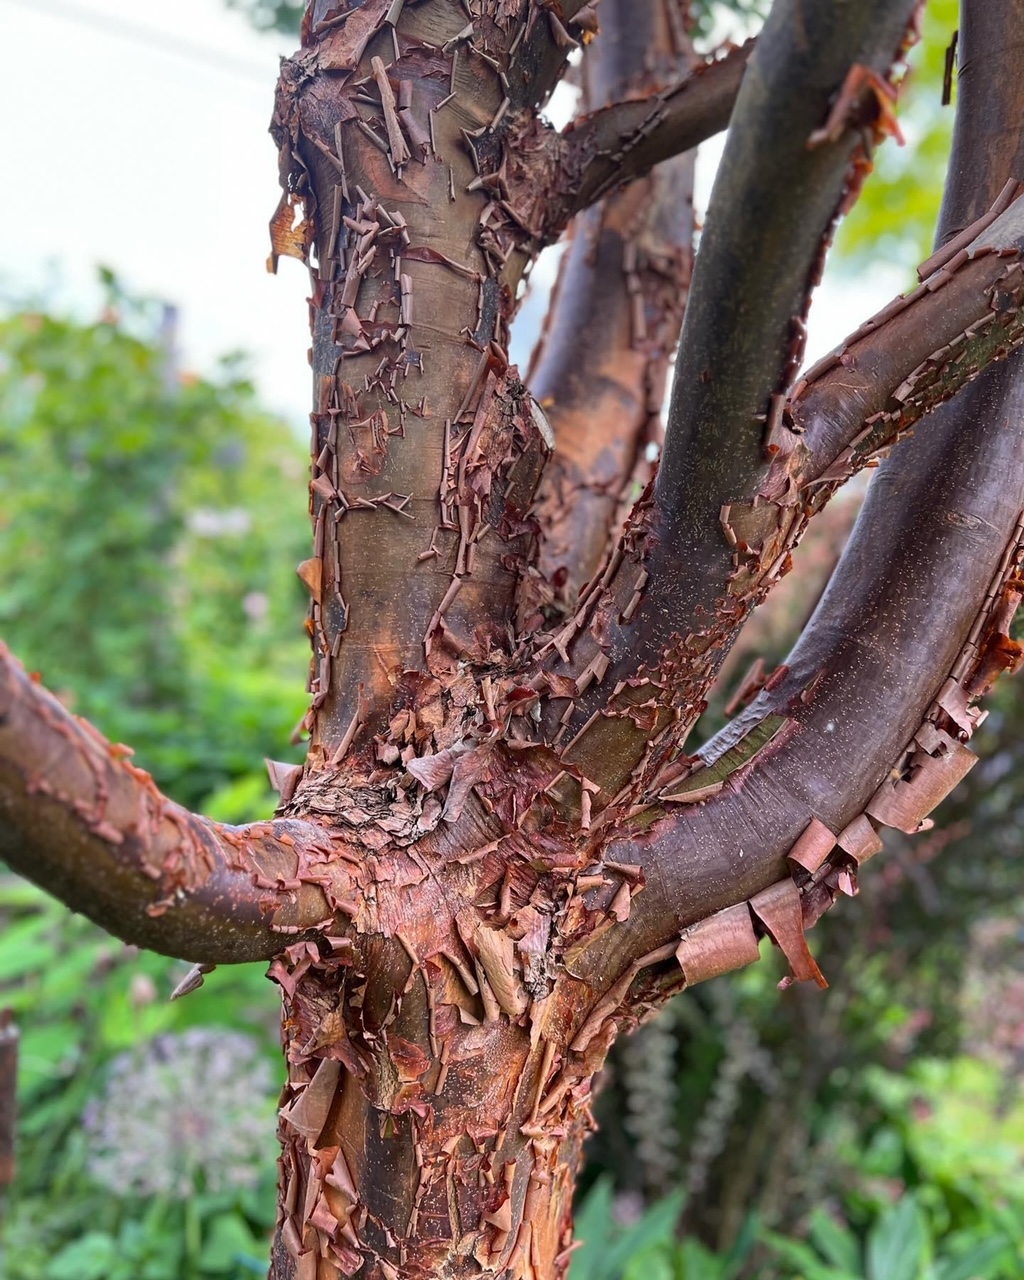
[(498, 854)]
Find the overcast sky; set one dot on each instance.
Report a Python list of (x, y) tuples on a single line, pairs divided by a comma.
[(136, 136)]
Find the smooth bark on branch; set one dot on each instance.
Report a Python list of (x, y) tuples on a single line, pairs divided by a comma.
[(665, 613), (82, 822)]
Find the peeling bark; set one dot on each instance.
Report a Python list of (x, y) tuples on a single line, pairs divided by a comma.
[(498, 855), (81, 821), (601, 365)]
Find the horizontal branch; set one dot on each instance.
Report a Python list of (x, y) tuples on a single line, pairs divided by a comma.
[(78, 819), (616, 144)]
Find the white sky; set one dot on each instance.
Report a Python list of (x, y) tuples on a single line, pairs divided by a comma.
[(151, 155)]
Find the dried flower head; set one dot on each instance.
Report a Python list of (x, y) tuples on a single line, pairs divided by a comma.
[(183, 1112)]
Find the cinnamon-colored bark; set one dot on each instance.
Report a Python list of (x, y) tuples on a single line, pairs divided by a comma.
[(601, 365), (83, 822), (498, 855)]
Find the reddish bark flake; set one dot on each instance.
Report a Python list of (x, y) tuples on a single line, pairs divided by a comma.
[(904, 801), (717, 945), (859, 839), (813, 846), (778, 909)]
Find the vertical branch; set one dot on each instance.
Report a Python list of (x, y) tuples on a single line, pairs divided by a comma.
[(601, 366), (677, 590), (397, 126)]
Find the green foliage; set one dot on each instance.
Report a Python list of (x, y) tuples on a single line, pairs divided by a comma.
[(271, 15), (894, 219), (150, 527), (81, 999)]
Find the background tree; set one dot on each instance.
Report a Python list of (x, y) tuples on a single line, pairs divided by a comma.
[(498, 852)]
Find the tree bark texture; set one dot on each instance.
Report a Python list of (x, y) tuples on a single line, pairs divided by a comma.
[(498, 854)]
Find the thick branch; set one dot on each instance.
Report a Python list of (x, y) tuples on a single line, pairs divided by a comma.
[(602, 361), (911, 629), (870, 712), (86, 825), (785, 173), (671, 605), (426, 447)]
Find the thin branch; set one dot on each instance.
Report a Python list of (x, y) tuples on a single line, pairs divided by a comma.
[(85, 824), (919, 350), (989, 139), (8, 1097), (612, 146)]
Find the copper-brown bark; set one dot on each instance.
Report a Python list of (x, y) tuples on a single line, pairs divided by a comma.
[(498, 855), (601, 366)]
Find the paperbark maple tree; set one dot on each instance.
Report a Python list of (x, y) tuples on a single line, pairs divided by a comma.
[(498, 854)]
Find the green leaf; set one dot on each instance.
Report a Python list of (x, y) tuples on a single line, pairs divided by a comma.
[(805, 1260), (837, 1244), (897, 1245), (696, 1262), (91, 1258), (594, 1225), (656, 1227), (654, 1263), (228, 1238), (984, 1260), (742, 1248), (24, 947)]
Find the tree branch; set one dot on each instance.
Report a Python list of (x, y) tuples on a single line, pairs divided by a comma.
[(777, 194), (671, 600), (600, 367), (917, 351), (912, 630), (86, 825), (613, 145), (426, 446)]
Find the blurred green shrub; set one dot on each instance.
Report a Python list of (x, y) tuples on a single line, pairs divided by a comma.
[(150, 523)]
